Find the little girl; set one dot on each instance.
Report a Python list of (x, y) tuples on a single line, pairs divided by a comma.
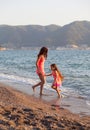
[(58, 78)]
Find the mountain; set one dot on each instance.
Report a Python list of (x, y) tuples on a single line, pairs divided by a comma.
[(76, 33)]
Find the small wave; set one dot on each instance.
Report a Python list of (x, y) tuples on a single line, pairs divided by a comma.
[(14, 78), (88, 103), (66, 90)]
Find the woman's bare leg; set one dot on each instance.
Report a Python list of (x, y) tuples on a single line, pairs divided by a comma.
[(41, 84), (42, 78), (38, 84)]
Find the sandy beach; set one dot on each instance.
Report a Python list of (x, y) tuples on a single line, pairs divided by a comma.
[(20, 111)]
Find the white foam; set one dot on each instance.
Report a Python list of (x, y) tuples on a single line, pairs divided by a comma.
[(31, 81), (14, 78), (88, 103)]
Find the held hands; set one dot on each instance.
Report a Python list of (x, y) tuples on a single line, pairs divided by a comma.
[(48, 74)]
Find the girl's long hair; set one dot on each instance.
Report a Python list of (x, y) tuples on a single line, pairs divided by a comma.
[(43, 51), (56, 68)]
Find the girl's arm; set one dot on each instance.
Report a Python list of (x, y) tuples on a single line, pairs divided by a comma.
[(48, 74)]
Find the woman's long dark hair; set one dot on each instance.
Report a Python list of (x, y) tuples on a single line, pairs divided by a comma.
[(43, 51)]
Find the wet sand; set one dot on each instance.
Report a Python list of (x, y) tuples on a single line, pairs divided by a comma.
[(20, 111)]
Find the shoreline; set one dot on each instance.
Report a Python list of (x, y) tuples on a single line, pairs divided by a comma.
[(76, 105), (19, 111)]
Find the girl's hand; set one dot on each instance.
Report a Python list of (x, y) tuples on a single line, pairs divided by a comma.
[(48, 74)]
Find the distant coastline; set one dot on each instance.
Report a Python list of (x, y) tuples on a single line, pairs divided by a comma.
[(73, 47), (74, 35)]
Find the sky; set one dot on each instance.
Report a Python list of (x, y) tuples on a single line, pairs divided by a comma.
[(43, 12)]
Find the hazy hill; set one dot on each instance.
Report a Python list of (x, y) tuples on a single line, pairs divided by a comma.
[(77, 33)]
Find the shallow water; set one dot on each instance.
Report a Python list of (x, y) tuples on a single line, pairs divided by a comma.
[(17, 67)]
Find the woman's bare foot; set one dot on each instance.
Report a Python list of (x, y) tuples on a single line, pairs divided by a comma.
[(41, 94), (33, 88)]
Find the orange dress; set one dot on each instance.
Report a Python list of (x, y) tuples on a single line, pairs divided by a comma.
[(40, 65)]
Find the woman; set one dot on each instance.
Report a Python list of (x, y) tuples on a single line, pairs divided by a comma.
[(41, 57)]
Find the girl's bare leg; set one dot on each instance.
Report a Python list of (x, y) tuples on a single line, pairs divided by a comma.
[(54, 87), (58, 92)]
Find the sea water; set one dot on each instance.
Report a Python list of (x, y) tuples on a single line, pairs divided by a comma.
[(18, 67)]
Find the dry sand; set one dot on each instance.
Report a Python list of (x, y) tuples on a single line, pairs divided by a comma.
[(19, 111)]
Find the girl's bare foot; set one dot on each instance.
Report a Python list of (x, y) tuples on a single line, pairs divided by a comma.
[(59, 96)]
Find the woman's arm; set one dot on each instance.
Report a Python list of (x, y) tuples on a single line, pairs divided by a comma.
[(37, 61)]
